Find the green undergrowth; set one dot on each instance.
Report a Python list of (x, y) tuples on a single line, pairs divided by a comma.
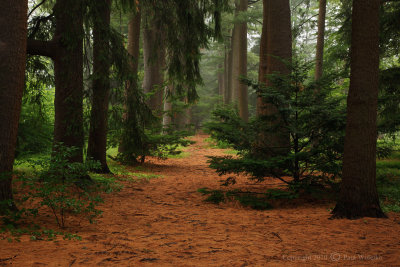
[(219, 144), (388, 182), (213, 143), (35, 233), (131, 173), (231, 152), (254, 200), (141, 177), (180, 153)]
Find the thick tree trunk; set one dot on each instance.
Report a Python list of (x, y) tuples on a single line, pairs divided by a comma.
[(182, 118), (13, 34), (66, 50), (68, 70), (358, 194), (154, 62), (133, 50), (320, 40), (276, 46), (239, 62), (97, 145)]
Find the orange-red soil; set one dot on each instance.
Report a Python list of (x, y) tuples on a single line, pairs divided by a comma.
[(165, 222)]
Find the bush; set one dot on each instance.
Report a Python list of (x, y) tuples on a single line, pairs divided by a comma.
[(307, 113), (63, 187)]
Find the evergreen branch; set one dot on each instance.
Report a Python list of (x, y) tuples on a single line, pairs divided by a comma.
[(37, 25), (36, 7)]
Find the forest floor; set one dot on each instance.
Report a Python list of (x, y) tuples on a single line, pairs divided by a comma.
[(164, 221)]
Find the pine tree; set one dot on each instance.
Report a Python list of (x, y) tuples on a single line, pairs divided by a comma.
[(13, 36), (97, 145), (358, 194)]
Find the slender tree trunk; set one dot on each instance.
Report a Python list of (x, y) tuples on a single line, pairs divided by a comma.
[(97, 145), (68, 70), (320, 40), (13, 24), (358, 195), (239, 62), (226, 76), (134, 51), (221, 80), (167, 116), (229, 94), (262, 67), (154, 62)]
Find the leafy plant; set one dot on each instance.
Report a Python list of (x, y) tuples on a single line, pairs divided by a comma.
[(63, 187)]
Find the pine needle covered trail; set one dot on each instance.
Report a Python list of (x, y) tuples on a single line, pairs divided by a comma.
[(165, 222)]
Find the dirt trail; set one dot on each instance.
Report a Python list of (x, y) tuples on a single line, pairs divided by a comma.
[(165, 222)]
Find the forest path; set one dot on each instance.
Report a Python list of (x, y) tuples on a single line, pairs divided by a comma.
[(165, 222)]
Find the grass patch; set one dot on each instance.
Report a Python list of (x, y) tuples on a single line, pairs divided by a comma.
[(145, 176), (212, 143), (388, 182), (108, 183), (181, 155), (112, 152), (231, 152)]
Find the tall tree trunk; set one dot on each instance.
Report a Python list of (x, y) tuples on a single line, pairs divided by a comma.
[(13, 24), (97, 145), (320, 40), (358, 195), (167, 116), (134, 51), (239, 61), (276, 46), (154, 62), (263, 63), (182, 117), (230, 70), (68, 70), (226, 76), (221, 88)]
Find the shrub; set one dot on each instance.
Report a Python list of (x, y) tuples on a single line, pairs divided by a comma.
[(307, 112), (63, 187)]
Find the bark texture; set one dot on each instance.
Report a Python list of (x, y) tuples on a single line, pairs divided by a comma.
[(221, 88), (275, 48), (167, 116), (239, 61), (320, 40), (97, 145), (226, 76), (133, 50), (68, 70), (66, 50), (262, 67), (229, 74), (154, 63), (358, 196), (13, 34)]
